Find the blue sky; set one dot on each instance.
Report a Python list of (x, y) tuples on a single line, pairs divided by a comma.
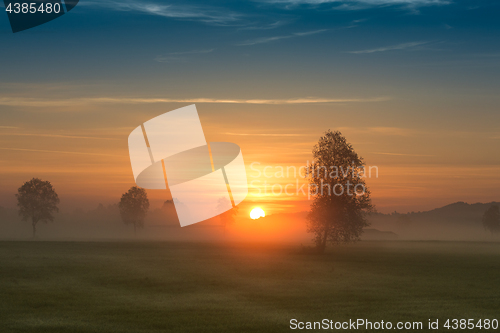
[(438, 51), (412, 83), (356, 42)]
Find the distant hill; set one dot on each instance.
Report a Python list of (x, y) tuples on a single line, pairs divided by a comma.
[(458, 212), (456, 221)]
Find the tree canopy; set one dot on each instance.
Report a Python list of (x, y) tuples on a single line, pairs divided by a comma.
[(341, 198), (134, 206), (491, 219), (37, 200)]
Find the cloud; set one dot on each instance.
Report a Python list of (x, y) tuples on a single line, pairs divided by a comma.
[(33, 102), (191, 52), (58, 151), (262, 134), (268, 26), (206, 14), (57, 136), (403, 46), (264, 40), (9, 127), (36, 102), (307, 33), (359, 4), (411, 132), (398, 154), (391, 131), (180, 56)]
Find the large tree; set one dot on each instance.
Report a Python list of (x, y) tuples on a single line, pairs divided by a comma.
[(37, 201), (134, 206), (341, 198), (491, 219)]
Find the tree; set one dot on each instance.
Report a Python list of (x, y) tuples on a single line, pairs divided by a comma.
[(37, 200), (491, 219), (134, 206), (341, 198)]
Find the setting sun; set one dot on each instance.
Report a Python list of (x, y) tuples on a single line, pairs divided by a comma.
[(257, 213)]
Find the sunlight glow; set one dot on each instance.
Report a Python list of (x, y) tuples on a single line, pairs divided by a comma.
[(257, 213)]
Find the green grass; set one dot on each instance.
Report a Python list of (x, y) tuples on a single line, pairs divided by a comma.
[(193, 287)]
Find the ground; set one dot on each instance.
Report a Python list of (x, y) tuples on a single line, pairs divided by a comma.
[(203, 287)]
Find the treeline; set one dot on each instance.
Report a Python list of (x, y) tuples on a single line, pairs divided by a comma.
[(104, 222), (38, 203)]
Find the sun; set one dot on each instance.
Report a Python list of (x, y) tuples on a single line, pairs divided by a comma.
[(257, 213)]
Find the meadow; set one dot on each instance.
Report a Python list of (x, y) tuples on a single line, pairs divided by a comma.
[(239, 287)]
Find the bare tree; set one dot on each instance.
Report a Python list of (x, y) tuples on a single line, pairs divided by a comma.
[(134, 206), (37, 201), (337, 185), (491, 219)]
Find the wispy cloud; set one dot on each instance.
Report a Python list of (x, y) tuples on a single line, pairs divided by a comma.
[(389, 131), (58, 151), (33, 102), (206, 14), (399, 154), (262, 134), (403, 46), (180, 56), (307, 33), (359, 4), (415, 132), (397, 131), (57, 136), (264, 40), (268, 26), (9, 127)]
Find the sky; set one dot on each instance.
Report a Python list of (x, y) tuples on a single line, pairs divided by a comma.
[(412, 84)]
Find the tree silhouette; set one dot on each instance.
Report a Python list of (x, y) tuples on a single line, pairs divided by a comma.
[(340, 196), (491, 219), (37, 200), (134, 206)]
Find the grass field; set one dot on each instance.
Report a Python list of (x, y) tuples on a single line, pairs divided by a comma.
[(193, 287)]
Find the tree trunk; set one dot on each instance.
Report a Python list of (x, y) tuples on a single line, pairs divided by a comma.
[(33, 223), (135, 229), (322, 245)]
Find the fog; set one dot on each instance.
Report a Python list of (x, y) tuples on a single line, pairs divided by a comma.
[(456, 222)]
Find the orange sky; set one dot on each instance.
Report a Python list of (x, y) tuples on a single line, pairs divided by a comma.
[(81, 147), (412, 84)]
